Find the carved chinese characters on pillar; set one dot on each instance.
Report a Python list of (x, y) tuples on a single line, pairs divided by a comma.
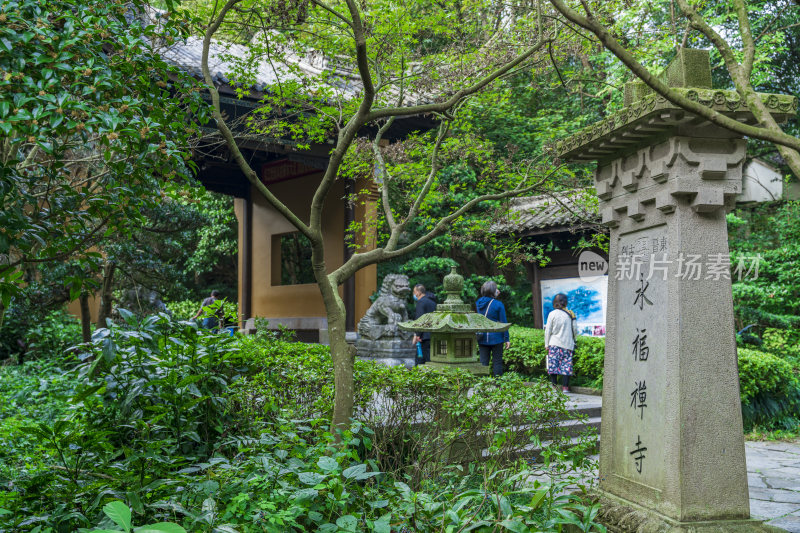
[(642, 276)]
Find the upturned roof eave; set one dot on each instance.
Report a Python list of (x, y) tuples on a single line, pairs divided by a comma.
[(442, 323), (653, 115)]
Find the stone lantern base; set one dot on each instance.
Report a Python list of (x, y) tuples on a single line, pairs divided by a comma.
[(475, 367)]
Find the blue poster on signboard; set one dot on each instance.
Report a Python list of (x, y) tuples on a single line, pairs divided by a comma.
[(587, 299)]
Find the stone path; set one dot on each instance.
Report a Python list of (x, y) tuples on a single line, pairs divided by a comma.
[(773, 473)]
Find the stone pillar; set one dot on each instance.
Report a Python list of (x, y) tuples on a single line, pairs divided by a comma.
[(672, 437), (672, 446)]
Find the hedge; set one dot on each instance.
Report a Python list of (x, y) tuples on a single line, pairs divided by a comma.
[(769, 385), (527, 354), (770, 390)]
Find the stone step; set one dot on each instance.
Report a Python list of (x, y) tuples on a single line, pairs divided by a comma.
[(572, 429), (585, 411)]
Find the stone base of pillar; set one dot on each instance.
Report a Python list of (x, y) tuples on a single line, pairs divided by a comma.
[(621, 516)]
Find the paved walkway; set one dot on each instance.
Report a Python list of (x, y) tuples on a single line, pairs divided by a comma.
[(773, 473)]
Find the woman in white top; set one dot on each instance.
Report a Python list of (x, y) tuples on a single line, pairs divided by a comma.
[(559, 338)]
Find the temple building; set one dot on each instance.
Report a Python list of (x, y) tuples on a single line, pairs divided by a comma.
[(274, 275), (275, 279)]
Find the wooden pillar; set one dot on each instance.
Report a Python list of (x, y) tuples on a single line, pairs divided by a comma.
[(246, 303), (349, 295), (536, 294)]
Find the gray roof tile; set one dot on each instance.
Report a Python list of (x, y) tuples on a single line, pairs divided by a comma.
[(558, 210)]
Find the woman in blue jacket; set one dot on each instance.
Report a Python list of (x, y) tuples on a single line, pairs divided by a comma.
[(490, 345)]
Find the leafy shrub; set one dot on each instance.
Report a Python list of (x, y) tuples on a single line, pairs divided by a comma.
[(763, 373), (160, 380), (34, 390), (294, 477), (120, 514), (149, 400), (52, 336), (429, 271), (750, 315), (783, 343), (27, 333), (186, 309), (183, 309), (770, 390), (417, 415), (527, 354), (159, 405)]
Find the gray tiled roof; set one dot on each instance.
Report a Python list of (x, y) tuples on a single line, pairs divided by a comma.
[(558, 211), (187, 56)]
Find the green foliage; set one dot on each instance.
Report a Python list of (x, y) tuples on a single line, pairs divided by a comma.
[(149, 399), (31, 335), (783, 343), (296, 477), (35, 390), (52, 336), (154, 405), (84, 141), (186, 373), (768, 296), (120, 514), (431, 270), (216, 238), (470, 412), (428, 271), (763, 373), (186, 309), (527, 354), (183, 309), (770, 390)]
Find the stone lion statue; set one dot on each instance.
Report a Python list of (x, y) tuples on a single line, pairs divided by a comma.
[(387, 311)]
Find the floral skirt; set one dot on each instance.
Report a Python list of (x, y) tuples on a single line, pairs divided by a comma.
[(559, 361)]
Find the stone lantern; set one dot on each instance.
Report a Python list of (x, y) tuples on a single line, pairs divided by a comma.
[(453, 327)]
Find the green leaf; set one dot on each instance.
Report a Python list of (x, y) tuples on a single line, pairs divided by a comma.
[(347, 522), (310, 478), (505, 507), (119, 513), (382, 525), (129, 317), (538, 499), (327, 464), (160, 527), (379, 504), (515, 525), (355, 472)]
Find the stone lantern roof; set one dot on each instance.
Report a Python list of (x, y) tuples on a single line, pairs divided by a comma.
[(453, 315)]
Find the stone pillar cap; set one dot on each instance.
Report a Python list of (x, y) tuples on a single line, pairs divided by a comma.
[(648, 115)]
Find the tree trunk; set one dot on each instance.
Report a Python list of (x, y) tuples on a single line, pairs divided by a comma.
[(86, 317), (105, 295), (341, 354), (343, 358)]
